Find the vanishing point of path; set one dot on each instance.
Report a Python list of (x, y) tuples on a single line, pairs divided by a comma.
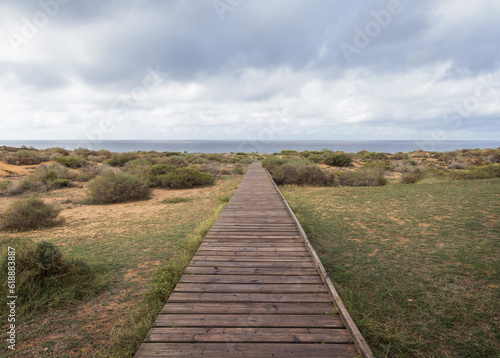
[(255, 288)]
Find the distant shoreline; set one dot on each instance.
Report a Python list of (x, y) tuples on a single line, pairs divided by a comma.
[(249, 146)]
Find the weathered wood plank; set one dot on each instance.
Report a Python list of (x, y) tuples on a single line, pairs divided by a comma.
[(251, 288), (248, 320), (247, 350), (256, 335), (248, 297), (249, 279), (317, 308)]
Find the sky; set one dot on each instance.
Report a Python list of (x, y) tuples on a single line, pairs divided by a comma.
[(250, 69)]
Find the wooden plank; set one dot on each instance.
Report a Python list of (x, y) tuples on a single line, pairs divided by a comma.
[(250, 288), (252, 264), (247, 350), (317, 308), (248, 320), (249, 279), (255, 335), (248, 297), (286, 271), (251, 258)]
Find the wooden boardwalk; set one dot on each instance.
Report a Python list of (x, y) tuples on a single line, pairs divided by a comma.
[(254, 289)]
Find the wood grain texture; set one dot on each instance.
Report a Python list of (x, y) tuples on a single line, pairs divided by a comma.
[(253, 289)]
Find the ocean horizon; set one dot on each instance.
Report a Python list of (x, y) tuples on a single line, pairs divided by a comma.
[(249, 146)]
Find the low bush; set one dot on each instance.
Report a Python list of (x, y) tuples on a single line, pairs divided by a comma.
[(377, 165), (155, 174), (29, 214), (300, 172), (478, 172), (89, 172), (23, 157), (362, 177), (117, 187), (412, 177), (238, 170), (176, 161), (364, 154), (47, 279), (214, 158), (119, 159), (185, 178), (289, 152), (72, 162), (338, 160), (272, 163), (4, 184), (137, 167)]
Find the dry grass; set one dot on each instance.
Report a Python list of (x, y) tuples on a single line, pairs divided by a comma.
[(131, 240)]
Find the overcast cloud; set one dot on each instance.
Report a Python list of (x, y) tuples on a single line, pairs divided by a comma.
[(250, 69)]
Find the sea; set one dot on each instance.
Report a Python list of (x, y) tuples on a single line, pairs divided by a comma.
[(249, 146)]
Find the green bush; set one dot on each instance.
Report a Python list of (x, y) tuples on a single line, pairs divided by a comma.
[(72, 162), (137, 166), (176, 161), (155, 174), (288, 152), (29, 214), (362, 177), (338, 160), (119, 159), (301, 172), (238, 170), (272, 163), (117, 187), (412, 177), (377, 165), (46, 279), (185, 178), (478, 172), (23, 157), (214, 157)]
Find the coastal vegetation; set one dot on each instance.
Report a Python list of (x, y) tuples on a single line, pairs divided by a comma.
[(407, 238)]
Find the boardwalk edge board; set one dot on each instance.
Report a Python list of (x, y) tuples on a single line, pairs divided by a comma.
[(359, 341)]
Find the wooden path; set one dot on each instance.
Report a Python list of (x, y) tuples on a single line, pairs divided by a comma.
[(254, 289)]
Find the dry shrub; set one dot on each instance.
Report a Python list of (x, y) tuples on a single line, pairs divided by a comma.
[(29, 214), (362, 177), (117, 187)]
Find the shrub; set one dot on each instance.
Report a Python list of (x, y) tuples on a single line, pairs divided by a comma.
[(338, 160), (272, 163), (4, 184), (89, 172), (412, 177), (364, 154), (214, 158), (238, 170), (72, 162), (137, 166), (301, 172), (185, 178), (246, 161), (241, 153), (155, 174), (47, 279), (23, 157), (176, 160), (288, 152), (119, 159), (478, 172), (48, 177), (362, 177), (117, 187), (29, 214)]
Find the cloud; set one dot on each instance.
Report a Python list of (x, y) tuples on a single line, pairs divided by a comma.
[(180, 70)]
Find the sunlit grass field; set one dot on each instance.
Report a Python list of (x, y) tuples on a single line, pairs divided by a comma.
[(416, 265)]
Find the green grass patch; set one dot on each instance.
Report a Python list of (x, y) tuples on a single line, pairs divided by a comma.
[(175, 200), (416, 265)]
